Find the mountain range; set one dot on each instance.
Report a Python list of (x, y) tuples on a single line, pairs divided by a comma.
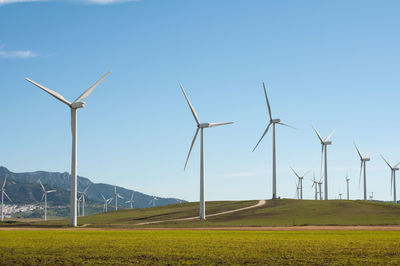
[(24, 188)]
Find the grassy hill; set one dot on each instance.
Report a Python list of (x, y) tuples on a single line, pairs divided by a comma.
[(284, 212)]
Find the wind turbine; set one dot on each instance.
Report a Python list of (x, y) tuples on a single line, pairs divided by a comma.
[(82, 197), (297, 189), (300, 177), (74, 106), (153, 200), (324, 153), (116, 196), (106, 202), (272, 122), (393, 170), (320, 188), (131, 201), (200, 127), (3, 193), (363, 165), (340, 196), (347, 181), (315, 186), (45, 199)]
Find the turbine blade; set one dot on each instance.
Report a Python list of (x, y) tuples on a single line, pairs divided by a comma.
[(50, 191), (86, 189), (295, 172), (52, 93), (103, 197), (191, 147), (359, 179), (396, 165), (387, 162), (265, 132), (191, 106), (286, 125), (42, 197), (219, 124), (40, 182), (369, 154), (266, 98), (305, 173), (358, 151), (330, 135), (391, 182), (7, 197), (322, 159), (318, 135), (89, 91)]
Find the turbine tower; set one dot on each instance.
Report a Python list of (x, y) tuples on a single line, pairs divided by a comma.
[(106, 202), (363, 166), (320, 188), (82, 198), (74, 106), (300, 177), (153, 201), (45, 198), (272, 122), (116, 196), (3, 193), (324, 158), (393, 170), (348, 191), (200, 127), (340, 196), (131, 201)]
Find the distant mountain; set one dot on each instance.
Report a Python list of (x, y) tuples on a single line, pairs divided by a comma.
[(24, 188)]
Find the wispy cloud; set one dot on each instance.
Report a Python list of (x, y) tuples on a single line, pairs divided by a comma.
[(16, 53), (96, 2)]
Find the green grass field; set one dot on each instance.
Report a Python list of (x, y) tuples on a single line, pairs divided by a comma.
[(56, 247), (282, 212)]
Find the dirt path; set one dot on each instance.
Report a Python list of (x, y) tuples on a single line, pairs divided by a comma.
[(260, 203)]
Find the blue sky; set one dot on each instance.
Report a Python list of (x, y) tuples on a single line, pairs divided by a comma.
[(333, 64)]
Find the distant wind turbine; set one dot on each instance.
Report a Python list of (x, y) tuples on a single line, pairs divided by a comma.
[(347, 183), (3, 193), (82, 198), (131, 201), (153, 201), (363, 166), (315, 186), (74, 106), (106, 202), (393, 170), (272, 122), (45, 192), (300, 177), (320, 188), (116, 196), (340, 196), (324, 161), (200, 127)]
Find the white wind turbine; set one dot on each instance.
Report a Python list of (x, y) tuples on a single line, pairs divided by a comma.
[(82, 198), (393, 170), (45, 198), (106, 202), (320, 188), (131, 201), (300, 177), (297, 189), (3, 193), (348, 187), (340, 196), (200, 127), (324, 158), (363, 166), (116, 196), (315, 186), (153, 200), (74, 106), (272, 122)]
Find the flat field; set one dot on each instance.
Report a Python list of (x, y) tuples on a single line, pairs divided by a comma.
[(55, 247)]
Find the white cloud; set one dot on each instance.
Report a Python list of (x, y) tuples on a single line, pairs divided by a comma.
[(96, 2), (16, 54)]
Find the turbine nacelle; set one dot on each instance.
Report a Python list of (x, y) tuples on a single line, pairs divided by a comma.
[(275, 120), (366, 159), (77, 105), (327, 143)]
